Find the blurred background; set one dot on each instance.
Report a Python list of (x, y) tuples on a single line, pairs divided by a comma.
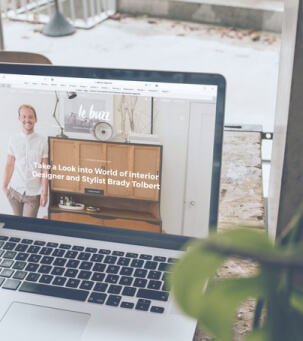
[(239, 39)]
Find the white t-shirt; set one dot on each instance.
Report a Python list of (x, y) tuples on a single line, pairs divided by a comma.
[(28, 150)]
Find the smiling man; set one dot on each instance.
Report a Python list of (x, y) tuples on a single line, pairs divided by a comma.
[(25, 191)]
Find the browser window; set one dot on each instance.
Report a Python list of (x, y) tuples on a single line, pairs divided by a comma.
[(123, 154)]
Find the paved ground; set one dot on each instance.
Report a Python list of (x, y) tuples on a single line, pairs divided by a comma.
[(248, 59)]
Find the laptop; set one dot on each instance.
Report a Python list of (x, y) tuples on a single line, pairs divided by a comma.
[(107, 174)]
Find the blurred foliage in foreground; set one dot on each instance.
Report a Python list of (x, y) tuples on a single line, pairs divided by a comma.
[(274, 286)]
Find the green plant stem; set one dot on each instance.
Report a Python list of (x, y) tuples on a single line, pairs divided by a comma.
[(258, 313)]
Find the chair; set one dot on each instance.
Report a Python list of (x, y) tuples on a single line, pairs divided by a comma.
[(23, 58)]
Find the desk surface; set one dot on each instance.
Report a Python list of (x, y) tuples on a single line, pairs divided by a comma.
[(241, 200)]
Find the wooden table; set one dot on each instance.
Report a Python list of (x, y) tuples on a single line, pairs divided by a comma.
[(241, 194)]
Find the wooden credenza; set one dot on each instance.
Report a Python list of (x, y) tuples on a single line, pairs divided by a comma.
[(121, 180)]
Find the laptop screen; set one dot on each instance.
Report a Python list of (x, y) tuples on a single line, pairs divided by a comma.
[(127, 149)]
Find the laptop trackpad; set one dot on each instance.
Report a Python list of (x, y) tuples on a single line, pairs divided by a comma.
[(28, 322)]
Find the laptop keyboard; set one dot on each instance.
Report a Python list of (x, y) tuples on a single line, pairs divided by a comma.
[(99, 276)]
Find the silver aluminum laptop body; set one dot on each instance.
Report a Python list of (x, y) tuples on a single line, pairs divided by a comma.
[(181, 114)]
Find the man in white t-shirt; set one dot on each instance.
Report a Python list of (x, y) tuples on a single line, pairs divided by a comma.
[(25, 176)]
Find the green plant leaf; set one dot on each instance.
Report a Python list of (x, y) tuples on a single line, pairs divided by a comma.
[(250, 243), (190, 276), (261, 334), (218, 306), (296, 300)]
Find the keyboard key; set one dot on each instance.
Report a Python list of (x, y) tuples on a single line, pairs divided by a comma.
[(86, 285), (126, 271), (14, 239), (137, 263), (11, 284), (32, 277), (140, 273), (84, 274), (9, 246), (60, 261), (123, 261), (71, 273), (3, 238), (58, 252), (96, 258), (34, 258), (154, 285), (154, 275), (45, 269), (158, 310), (110, 260), (65, 246), (112, 279), (6, 263), (98, 277), (20, 275), (113, 300), (59, 280), (118, 253), (153, 295), (84, 256), (91, 250), (125, 280), (32, 267), (46, 251), (39, 243), (22, 256), (143, 305), (78, 248), (114, 289), (33, 249), (57, 271), (140, 283), (99, 267), (104, 252), (19, 265), (159, 259), (72, 263), (129, 291), (53, 245), (47, 260), (146, 257), (86, 265), (97, 297), (131, 255), (72, 283), (7, 273), (164, 267), (9, 254), (27, 241), (55, 291), (46, 279), (112, 269), (71, 254), (100, 287), (21, 247), (127, 305), (151, 265)]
